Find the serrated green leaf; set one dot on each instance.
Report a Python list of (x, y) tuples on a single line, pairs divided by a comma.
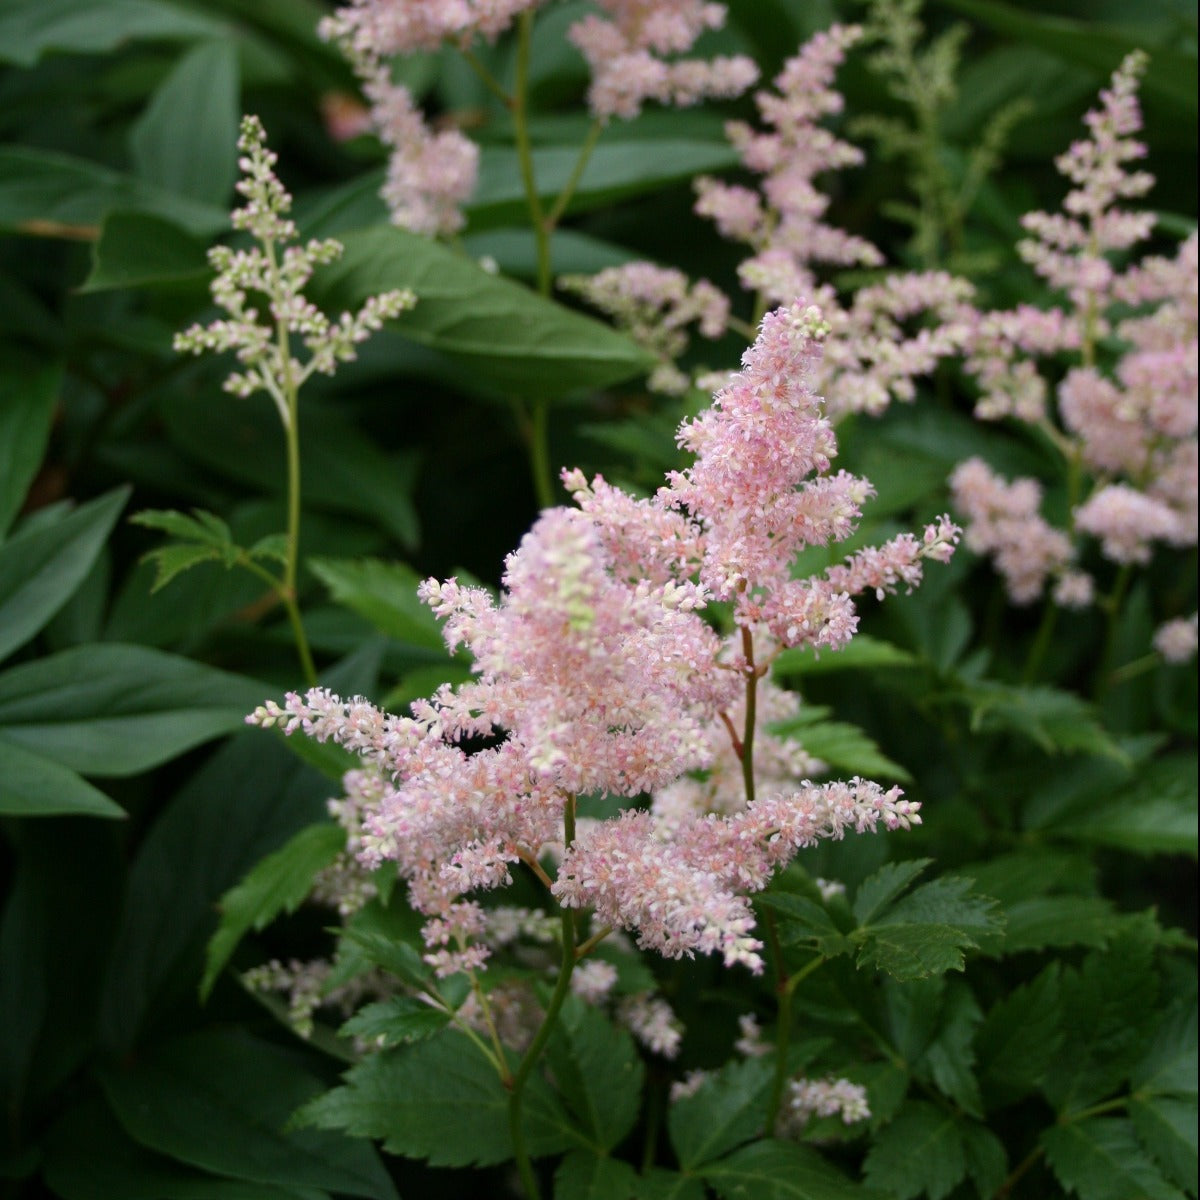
[(875, 893), (862, 652), (34, 786), (29, 389), (806, 922), (1155, 815), (987, 1162), (1057, 722), (728, 1108), (1166, 1128), (770, 1170), (204, 527), (174, 559), (1059, 921), (392, 955), (920, 1153), (279, 883), (518, 341), (441, 1101), (926, 932), (847, 748), (660, 1184), (185, 139), (1101, 1159), (395, 1021), (598, 1072), (81, 707), (41, 566), (274, 546), (949, 1058), (385, 593), (220, 1101), (584, 1176), (1168, 1066), (1019, 1037)]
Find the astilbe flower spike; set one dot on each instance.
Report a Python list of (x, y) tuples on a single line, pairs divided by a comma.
[(277, 269), (600, 674), (1132, 428)]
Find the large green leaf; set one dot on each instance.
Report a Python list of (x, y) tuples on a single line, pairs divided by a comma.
[(186, 138), (728, 1109), (1166, 1127), (1101, 1159), (862, 652), (771, 1170), (615, 171), (221, 1102), (117, 710), (277, 884), (41, 567), (30, 29), (921, 1152), (597, 1070), (138, 249), (28, 394), (385, 593), (516, 340), (44, 192), (34, 786), (89, 1157), (440, 1100)]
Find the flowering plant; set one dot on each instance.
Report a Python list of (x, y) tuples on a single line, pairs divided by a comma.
[(742, 832)]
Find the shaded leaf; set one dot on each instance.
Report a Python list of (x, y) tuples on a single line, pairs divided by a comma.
[(136, 249), (771, 1170), (279, 883), (921, 1152), (1166, 1127), (394, 1021), (728, 1108), (1101, 1159), (28, 396), (385, 593), (862, 652), (34, 786)]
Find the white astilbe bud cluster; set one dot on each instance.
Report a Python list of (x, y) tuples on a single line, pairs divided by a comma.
[(277, 270), (808, 1098)]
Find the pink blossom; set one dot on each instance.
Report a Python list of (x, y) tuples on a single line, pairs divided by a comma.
[(1176, 640)]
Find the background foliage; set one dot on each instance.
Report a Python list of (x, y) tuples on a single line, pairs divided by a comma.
[(1058, 1052)]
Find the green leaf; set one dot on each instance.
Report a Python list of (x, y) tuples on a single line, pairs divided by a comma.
[(136, 249), (583, 1176), (1055, 721), (1101, 1159), (1019, 1038), (615, 171), (727, 1109), (33, 786), (117, 710), (987, 1162), (395, 1021), (40, 567), (185, 140), (29, 29), (659, 1184), (807, 922), (877, 892), (29, 390), (927, 931), (51, 194), (1155, 815), (440, 1100), (1172, 73), (847, 748), (220, 1101), (920, 1152), (204, 537), (1168, 1066), (89, 1157), (385, 593), (389, 953), (245, 801), (1166, 1127), (861, 653), (518, 341), (1059, 921), (598, 1072), (770, 1170), (279, 883)]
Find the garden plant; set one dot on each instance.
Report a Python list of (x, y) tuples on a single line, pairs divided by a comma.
[(598, 599)]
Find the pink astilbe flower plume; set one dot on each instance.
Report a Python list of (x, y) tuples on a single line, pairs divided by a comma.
[(597, 673)]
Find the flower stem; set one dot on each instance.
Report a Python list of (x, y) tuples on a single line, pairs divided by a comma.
[(783, 1035), (747, 754), (564, 197), (561, 989), (1041, 642)]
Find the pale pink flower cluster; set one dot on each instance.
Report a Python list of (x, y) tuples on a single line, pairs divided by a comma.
[(374, 29), (889, 333), (1176, 640), (277, 271), (654, 305), (808, 1098), (593, 980), (651, 1020), (631, 51), (1134, 430), (604, 678), (307, 986)]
